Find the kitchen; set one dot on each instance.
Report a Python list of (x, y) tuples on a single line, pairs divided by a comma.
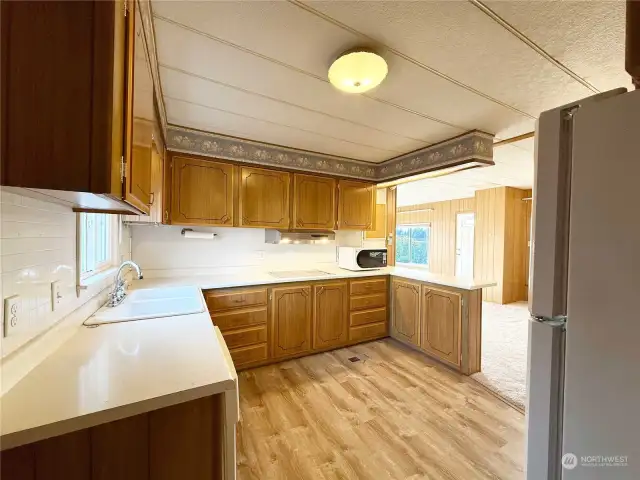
[(258, 326)]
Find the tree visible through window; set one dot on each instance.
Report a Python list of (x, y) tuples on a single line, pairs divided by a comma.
[(95, 243), (412, 244)]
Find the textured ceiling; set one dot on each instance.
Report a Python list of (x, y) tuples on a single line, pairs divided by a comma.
[(258, 70)]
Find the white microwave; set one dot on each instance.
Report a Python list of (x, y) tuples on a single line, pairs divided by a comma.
[(353, 258)]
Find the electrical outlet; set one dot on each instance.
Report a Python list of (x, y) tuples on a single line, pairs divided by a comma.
[(56, 295), (260, 254), (12, 315)]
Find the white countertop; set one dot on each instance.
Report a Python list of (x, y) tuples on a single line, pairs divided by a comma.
[(115, 371), (257, 276)]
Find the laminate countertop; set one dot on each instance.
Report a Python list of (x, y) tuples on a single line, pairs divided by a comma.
[(102, 374), (251, 277)]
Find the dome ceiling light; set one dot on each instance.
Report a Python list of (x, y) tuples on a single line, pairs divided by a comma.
[(357, 71)]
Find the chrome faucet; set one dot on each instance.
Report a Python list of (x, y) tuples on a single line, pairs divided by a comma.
[(116, 297)]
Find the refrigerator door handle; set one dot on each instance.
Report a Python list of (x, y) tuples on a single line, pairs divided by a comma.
[(545, 399)]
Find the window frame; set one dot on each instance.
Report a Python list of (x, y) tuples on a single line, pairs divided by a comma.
[(112, 222), (409, 264)]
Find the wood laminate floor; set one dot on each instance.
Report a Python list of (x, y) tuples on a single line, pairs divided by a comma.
[(392, 415)]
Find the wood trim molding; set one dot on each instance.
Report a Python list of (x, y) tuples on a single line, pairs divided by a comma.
[(146, 16), (472, 147)]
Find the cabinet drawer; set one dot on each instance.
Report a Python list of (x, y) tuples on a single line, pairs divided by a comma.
[(226, 300), (368, 316), (240, 318), (246, 336), (364, 287), (368, 301), (249, 355), (368, 332)]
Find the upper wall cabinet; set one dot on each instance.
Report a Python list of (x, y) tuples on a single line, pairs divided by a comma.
[(141, 111), (76, 103), (356, 205), (264, 198), (202, 193), (314, 202)]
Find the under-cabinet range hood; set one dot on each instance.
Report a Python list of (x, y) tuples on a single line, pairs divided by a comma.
[(299, 236)]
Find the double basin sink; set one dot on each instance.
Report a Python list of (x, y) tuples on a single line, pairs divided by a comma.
[(152, 303)]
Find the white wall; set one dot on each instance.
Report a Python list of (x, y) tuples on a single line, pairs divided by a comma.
[(37, 247), (162, 251)]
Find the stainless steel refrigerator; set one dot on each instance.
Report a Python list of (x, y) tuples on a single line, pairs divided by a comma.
[(583, 402)]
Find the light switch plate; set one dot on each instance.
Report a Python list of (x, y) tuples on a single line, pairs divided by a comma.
[(56, 295), (12, 314)]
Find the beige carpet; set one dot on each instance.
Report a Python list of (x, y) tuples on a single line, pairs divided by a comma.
[(505, 333)]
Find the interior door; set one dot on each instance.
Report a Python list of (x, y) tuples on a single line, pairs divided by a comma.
[(465, 233)]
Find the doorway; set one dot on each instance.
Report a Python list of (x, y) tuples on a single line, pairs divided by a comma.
[(465, 234)]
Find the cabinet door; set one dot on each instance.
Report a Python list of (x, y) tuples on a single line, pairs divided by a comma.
[(139, 118), (356, 205), (264, 198), (405, 311), (157, 184), (202, 192), (291, 321), (314, 202), (330, 314), (440, 325)]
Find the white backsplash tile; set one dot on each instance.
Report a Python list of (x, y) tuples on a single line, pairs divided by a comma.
[(162, 251), (37, 247)]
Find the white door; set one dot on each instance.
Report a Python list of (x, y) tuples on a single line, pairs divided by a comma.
[(465, 227)]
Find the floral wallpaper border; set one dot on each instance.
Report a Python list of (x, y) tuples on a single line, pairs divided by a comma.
[(471, 147)]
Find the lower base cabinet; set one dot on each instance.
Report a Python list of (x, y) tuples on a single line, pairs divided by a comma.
[(443, 322), (330, 315), (290, 321), (173, 443), (440, 324), (405, 313), (263, 325)]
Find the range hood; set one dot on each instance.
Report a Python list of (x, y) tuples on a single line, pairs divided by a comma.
[(298, 236)]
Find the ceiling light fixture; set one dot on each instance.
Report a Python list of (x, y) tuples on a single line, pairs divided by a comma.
[(357, 71)]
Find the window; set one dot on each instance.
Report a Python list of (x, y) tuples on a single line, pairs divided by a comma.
[(412, 245), (96, 248)]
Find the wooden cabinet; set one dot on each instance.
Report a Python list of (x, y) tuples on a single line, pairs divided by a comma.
[(440, 324), (405, 311), (140, 110), (330, 314), (186, 440), (264, 198), (356, 205), (314, 202), (290, 320), (203, 192), (76, 97), (241, 315), (368, 309)]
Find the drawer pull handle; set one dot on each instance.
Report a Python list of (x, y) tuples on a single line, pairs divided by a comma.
[(238, 300)]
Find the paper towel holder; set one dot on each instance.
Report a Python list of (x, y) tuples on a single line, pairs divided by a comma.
[(210, 235)]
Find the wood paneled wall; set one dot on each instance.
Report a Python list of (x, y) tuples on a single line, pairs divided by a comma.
[(489, 240), (442, 250), (502, 231), (501, 243)]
